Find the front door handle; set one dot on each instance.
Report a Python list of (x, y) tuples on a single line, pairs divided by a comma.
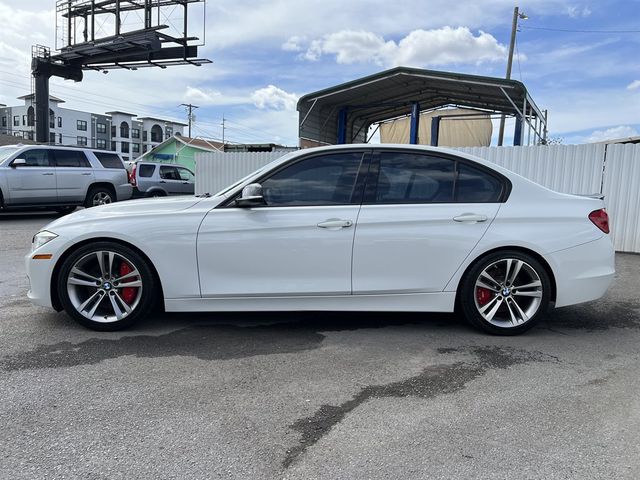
[(470, 218), (47, 174), (86, 173), (335, 223)]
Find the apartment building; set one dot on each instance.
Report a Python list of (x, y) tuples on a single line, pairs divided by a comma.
[(121, 132)]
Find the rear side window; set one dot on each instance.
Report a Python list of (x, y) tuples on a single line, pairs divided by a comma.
[(185, 174), (146, 170), (414, 178), (36, 158), (475, 186), (169, 173), (71, 158), (109, 160)]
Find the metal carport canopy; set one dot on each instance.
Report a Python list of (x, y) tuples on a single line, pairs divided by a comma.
[(352, 107)]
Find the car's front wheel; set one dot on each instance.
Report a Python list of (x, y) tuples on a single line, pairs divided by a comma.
[(106, 286), (505, 293)]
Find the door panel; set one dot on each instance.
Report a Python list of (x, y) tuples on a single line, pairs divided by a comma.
[(34, 182), (74, 173), (276, 251), (414, 248)]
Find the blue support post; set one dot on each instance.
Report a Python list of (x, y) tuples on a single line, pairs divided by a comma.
[(435, 130), (342, 126), (415, 123), (517, 134)]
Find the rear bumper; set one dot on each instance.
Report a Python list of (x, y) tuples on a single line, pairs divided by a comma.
[(124, 191), (583, 273)]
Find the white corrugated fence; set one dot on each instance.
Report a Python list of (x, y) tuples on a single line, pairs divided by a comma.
[(592, 168)]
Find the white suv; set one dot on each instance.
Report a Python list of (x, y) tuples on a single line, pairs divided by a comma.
[(61, 178)]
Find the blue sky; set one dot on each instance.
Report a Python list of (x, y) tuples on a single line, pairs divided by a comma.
[(266, 54)]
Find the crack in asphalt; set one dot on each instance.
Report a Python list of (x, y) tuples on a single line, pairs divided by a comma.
[(433, 381)]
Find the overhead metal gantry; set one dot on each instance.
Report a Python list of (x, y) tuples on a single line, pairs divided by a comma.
[(344, 113), (93, 36)]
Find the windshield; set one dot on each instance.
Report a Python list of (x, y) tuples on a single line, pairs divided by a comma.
[(261, 169), (6, 152)]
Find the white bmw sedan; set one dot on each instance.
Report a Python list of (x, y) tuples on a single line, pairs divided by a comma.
[(355, 227)]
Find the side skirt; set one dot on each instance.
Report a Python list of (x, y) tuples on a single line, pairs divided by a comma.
[(409, 302)]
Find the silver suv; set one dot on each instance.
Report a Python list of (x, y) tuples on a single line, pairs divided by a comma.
[(61, 178), (150, 179)]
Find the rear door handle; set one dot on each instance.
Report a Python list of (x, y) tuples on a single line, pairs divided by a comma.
[(335, 223), (47, 173), (470, 218)]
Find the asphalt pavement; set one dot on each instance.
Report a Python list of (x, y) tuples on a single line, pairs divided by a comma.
[(316, 395)]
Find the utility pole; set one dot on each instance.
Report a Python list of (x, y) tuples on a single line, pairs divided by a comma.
[(512, 42), (190, 108), (223, 127)]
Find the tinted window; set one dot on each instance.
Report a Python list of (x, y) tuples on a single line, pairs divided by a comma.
[(322, 180), (36, 158), (475, 186), (109, 160), (146, 170), (71, 158), (414, 178), (185, 174), (169, 173)]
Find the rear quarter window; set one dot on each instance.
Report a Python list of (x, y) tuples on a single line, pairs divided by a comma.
[(146, 170), (109, 160), (476, 186)]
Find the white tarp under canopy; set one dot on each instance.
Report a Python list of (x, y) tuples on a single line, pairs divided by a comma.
[(472, 131)]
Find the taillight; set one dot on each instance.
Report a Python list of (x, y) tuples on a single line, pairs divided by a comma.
[(600, 219), (132, 176)]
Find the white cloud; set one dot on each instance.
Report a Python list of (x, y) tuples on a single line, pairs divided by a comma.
[(440, 46), (635, 85), (275, 98), (621, 131), (576, 11), (294, 44)]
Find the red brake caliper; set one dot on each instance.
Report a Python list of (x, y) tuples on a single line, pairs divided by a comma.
[(483, 295), (128, 294)]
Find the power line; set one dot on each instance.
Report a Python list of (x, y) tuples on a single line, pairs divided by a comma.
[(577, 31)]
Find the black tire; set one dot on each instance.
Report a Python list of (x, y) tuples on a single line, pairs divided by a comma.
[(65, 210), (157, 193), (99, 192), (148, 295), (470, 297)]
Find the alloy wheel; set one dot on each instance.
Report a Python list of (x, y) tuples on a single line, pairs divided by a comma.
[(508, 292), (101, 198), (104, 286)]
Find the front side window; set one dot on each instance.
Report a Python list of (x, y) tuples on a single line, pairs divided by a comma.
[(71, 158), (36, 158), (414, 178), (185, 175), (321, 180), (82, 125)]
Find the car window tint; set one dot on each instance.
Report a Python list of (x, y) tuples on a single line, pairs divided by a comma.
[(169, 173), (109, 160), (475, 186), (414, 178), (36, 158), (321, 180), (185, 174), (146, 170), (71, 158)]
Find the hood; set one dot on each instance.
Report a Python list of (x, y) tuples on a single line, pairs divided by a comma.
[(132, 208)]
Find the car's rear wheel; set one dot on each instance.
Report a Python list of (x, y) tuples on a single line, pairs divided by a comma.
[(505, 293), (99, 196), (106, 286)]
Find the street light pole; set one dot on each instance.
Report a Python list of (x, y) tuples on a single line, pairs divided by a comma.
[(512, 42)]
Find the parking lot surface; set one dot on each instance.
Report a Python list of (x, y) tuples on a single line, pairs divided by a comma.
[(316, 395)]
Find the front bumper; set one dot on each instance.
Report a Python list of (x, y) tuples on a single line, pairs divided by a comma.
[(39, 273), (583, 273)]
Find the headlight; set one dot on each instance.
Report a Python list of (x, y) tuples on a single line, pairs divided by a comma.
[(41, 238)]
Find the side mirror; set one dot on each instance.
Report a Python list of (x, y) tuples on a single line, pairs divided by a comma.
[(18, 162), (251, 196)]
